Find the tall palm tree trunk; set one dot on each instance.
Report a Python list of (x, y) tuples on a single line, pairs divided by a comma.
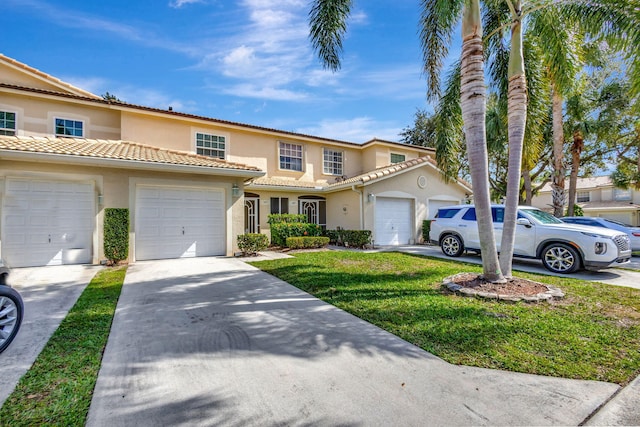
[(576, 151), (473, 107), (559, 169), (517, 118)]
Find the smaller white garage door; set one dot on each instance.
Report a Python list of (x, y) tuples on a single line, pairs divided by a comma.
[(179, 222), (46, 222), (394, 221)]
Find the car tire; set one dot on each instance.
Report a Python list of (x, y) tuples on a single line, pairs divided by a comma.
[(11, 310), (451, 245), (561, 258)]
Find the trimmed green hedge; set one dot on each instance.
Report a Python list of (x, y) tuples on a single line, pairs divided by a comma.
[(426, 228), (280, 231), (351, 238), (252, 243), (116, 234), (307, 242), (278, 218)]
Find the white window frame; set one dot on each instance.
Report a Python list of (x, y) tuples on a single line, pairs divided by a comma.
[(288, 148), (6, 130), (208, 151), (62, 135), (404, 158), (331, 166), (583, 196)]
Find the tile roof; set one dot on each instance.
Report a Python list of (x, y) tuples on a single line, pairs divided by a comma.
[(284, 133), (613, 205), (583, 183), (367, 177), (114, 150)]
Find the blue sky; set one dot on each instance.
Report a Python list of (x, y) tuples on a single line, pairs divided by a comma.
[(247, 61)]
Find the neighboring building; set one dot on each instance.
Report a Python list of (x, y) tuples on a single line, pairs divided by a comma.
[(598, 197), (191, 183)]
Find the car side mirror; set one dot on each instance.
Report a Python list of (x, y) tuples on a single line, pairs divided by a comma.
[(524, 221)]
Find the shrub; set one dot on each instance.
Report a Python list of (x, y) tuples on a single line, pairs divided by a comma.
[(577, 211), (307, 242), (355, 238), (278, 218), (252, 243), (352, 238), (333, 235), (116, 234), (426, 228), (280, 231)]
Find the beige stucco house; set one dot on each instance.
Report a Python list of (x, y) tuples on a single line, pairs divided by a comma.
[(597, 196), (192, 184)]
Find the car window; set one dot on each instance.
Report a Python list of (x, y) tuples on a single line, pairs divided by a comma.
[(569, 220), (542, 217), (448, 212), (470, 215)]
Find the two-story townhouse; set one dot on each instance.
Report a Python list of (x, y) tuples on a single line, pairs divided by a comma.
[(597, 196), (192, 184)]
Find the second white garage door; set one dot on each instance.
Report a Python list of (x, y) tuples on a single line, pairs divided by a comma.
[(394, 221), (179, 222)]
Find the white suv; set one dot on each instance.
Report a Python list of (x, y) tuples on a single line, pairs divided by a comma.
[(563, 248)]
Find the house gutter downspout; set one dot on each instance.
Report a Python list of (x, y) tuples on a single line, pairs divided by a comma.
[(353, 188)]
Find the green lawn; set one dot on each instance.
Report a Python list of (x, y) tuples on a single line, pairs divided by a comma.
[(57, 389), (593, 333)]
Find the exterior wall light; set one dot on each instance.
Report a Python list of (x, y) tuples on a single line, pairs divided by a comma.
[(100, 199), (235, 190), (370, 197)]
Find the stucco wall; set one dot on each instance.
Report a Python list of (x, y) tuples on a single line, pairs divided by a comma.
[(406, 186), (36, 116), (117, 188)]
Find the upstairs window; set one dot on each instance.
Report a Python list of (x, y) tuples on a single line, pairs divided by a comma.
[(290, 156), (332, 162), (582, 197), (7, 123), (397, 158), (621, 195), (65, 127), (210, 145)]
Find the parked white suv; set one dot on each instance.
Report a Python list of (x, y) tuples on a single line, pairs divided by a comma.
[(563, 248)]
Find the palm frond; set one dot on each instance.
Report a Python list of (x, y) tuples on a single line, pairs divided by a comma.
[(328, 25), (438, 20), (448, 126)]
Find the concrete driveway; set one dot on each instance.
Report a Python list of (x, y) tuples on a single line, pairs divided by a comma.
[(628, 276), (214, 341), (48, 294)]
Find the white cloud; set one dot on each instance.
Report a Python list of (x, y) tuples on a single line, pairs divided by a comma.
[(177, 4), (359, 129), (248, 90), (95, 85)]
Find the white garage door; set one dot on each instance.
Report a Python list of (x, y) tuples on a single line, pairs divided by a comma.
[(394, 221), (177, 222), (47, 222)]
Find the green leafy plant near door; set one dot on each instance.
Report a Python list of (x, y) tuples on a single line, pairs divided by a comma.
[(116, 234)]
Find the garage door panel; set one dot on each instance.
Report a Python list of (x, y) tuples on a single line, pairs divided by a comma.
[(179, 222), (44, 221), (393, 221)]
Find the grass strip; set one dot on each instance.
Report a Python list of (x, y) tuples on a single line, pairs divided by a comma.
[(57, 389), (592, 334)]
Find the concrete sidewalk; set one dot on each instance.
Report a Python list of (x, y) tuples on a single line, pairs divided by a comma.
[(214, 341), (48, 294)]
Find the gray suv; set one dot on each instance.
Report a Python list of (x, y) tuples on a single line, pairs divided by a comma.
[(562, 248)]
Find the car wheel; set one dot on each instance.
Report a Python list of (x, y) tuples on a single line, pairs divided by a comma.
[(11, 309), (451, 245), (560, 258)]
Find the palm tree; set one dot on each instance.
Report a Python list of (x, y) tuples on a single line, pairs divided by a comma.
[(438, 21)]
